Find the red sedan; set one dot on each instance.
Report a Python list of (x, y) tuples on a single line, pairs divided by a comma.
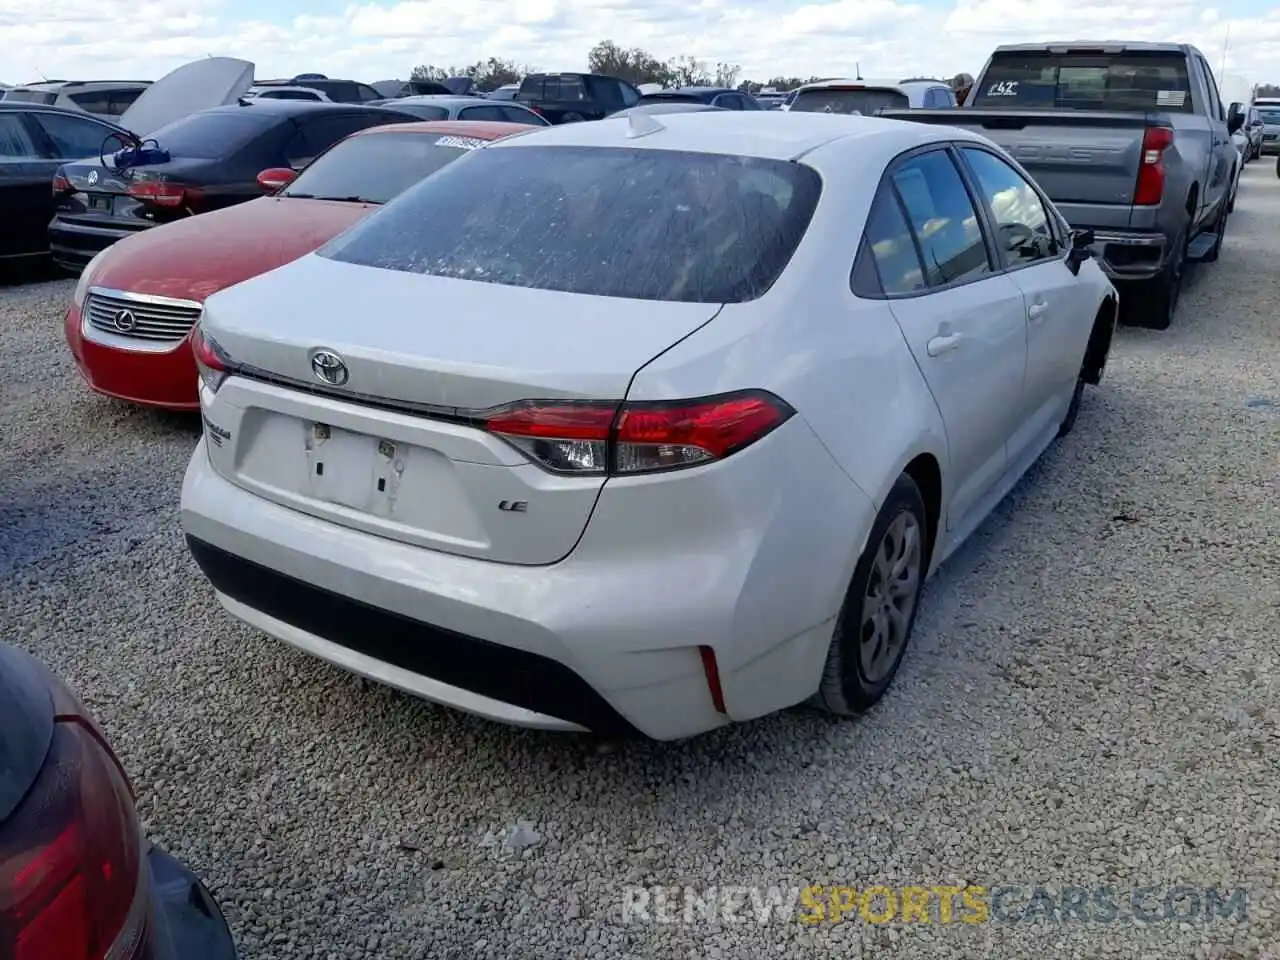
[(130, 319)]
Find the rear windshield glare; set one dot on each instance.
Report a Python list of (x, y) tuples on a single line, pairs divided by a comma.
[(612, 222), (30, 96), (211, 135), (865, 102), (1086, 81), (377, 166)]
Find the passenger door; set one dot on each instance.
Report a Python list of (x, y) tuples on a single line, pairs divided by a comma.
[(964, 321), (1059, 305), (26, 201), (1221, 149)]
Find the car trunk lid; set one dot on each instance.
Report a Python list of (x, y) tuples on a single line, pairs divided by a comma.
[(397, 449)]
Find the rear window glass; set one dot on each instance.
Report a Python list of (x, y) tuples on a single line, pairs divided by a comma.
[(212, 135), (1086, 81), (865, 102), (613, 222), (376, 167)]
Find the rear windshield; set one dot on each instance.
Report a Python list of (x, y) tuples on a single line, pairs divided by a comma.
[(374, 167), (1086, 81), (30, 96), (612, 222), (212, 135), (865, 102)]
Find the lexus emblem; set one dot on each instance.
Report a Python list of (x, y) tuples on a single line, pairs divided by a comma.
[(329, 368), (93, 177), (125, 321)]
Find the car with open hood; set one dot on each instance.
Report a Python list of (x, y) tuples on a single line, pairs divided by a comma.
[(130, 318), (37, 139), (650, 424), (203, 162)]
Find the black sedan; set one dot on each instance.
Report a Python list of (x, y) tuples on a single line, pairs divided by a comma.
[(209, 160), (34, 141), (78, 879)]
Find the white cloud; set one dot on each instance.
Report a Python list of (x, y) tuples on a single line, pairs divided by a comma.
[(378, 40)]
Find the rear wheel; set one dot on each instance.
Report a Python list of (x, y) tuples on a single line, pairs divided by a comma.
[(571, 117), (879, 610)]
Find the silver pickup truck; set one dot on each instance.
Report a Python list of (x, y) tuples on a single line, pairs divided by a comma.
[(1130, 140)]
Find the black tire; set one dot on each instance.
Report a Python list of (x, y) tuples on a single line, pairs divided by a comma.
[(572, 117), (1220, 229), (1157, 298), (1073, 410), (847, 686)]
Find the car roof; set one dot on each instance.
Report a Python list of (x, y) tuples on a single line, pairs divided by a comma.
[(1106, 46), (768, 134), (277, 105), (480, 129), (440, 99), (849, 82), (694, 89), (30, 107)]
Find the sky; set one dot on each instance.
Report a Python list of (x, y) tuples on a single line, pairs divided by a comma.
[(384, 40)]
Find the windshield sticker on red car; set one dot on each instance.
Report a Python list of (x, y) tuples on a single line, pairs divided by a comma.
[(1004, 88), (461, 143), (1171, 98)]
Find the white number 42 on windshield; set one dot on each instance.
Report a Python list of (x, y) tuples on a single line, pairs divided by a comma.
[(1004, 88)]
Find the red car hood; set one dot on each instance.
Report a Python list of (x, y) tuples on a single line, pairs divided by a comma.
[(193, 258)]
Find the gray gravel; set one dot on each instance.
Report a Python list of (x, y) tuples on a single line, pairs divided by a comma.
[(1090, 698)]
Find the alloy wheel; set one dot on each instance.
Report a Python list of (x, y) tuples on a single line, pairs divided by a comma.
[(890, 600)]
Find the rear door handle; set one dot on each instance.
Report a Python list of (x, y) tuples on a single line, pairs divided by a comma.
[(940, 345), (1037, 311)]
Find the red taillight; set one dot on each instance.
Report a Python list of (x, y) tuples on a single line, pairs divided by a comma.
[(61, 185), (162, 193), (211, 362), (534, 109), (72, 868), (1150, 188), (597, 438)]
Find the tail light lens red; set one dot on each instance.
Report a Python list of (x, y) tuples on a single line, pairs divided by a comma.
[(61, 185), (211, 362), (1150, 187), (161, 193), (595, 438), (72, 867)]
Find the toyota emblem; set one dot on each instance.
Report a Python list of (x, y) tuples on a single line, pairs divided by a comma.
[(93, 177), (125, 321), (329, 368)]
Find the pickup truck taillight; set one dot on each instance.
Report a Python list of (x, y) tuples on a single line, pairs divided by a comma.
[(1150, 188)]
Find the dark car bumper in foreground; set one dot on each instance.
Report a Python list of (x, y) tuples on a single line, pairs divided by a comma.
[(186, 921), (74, 241)]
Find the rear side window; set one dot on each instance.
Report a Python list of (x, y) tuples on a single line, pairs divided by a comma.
[(891, 247), (289, 95), (942, 218), (485, 112), (613, 222), (212, 135), (15, 142), (1086, 81), (427, 112), (97, 101), (513, 114), (75, 138), (865, 101), (531, 88)]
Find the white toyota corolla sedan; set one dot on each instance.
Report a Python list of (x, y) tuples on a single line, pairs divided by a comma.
[(651, 424)]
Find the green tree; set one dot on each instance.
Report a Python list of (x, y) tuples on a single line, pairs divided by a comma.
[(634, 65)]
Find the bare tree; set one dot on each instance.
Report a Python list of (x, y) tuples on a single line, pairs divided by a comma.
[(727, 74), (1267, 90), (485, 74)]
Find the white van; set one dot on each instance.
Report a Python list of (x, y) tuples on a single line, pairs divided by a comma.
[(869, 97)]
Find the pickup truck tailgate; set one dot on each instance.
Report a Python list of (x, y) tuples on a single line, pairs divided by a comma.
[(1086, 161)]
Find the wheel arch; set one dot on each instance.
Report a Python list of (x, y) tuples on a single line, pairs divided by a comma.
[(1099, 347)]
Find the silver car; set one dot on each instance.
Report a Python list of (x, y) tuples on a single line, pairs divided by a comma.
[(465, 108)]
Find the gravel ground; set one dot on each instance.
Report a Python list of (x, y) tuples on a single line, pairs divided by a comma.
[(1089, 700)]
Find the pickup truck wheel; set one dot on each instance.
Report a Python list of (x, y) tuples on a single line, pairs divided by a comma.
[(1157, 298)]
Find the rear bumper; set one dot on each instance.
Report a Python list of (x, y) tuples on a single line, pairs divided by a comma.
[(1127, 255), (606, 640), (186, 923), (73, 243), (164, 380)]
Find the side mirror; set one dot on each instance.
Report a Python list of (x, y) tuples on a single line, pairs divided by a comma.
[(1081, 241), (276, 178), (1235, 117)]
